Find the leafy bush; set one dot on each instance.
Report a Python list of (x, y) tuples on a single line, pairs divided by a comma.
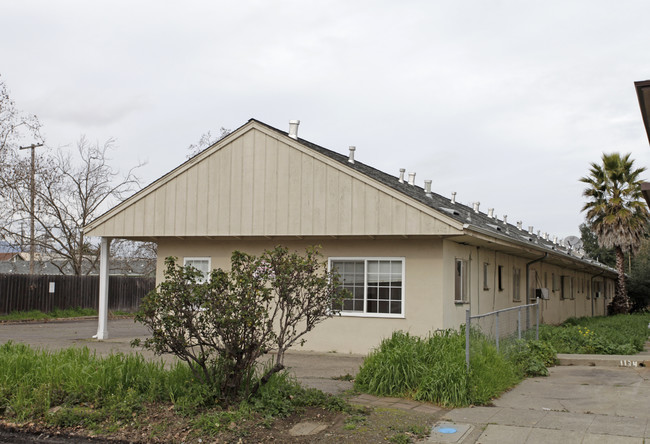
[(532, 357), (222, 326)]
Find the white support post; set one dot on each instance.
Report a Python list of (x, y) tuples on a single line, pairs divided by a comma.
[(102, 324)]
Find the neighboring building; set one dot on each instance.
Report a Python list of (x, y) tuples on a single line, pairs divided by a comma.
[(643, 94), (412, 259), (11, 257)]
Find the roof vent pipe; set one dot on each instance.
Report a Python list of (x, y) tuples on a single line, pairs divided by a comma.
[(520, 225), (427, 187), (293, 128), (476, 205), (401, 175), (411, 178), (351, 158), (453, 197), (491, 213)]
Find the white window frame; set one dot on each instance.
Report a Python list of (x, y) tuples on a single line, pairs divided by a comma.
[(187, 261), (365, 314)]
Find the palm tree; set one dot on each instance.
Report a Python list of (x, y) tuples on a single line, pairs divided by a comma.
[(617, 213)]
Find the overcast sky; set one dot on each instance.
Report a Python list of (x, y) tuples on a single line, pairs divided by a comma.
[(504, 102)]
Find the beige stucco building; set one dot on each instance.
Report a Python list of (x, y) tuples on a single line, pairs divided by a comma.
[(413, 260)]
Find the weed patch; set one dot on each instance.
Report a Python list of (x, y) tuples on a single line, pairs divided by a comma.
[(623, 334)]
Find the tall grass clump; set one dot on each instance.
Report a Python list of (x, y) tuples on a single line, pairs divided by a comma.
[(89, 390), (433, 369), (34, 381), (623, 334)]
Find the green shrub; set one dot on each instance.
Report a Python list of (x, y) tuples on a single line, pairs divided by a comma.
[(532, 357), (613, 335), (433, 369)]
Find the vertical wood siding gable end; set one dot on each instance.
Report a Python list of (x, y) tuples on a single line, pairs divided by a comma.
[(202, 202), (191, 197), (181, 205), (295, 186), (235, 187), (139, 216), (345, 203), (358, 216), (320, 198), (271, 186), (223, 215), (398, 216), (213, 200), (371, 209), (332, 202), (258, 183), (247, 176), (307, 195), (158, 214), (283, 185)]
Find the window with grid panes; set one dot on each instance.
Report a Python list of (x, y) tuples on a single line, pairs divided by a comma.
[(375, 285)]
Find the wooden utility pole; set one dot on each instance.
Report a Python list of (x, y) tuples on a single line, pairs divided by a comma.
[(32, 186)]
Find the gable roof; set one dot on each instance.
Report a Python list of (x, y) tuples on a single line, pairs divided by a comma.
[(230, 171)]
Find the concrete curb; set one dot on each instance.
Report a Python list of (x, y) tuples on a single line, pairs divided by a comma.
[(639, 360), (47, 320), (642, 360)]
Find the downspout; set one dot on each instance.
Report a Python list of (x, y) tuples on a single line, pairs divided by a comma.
[(593, 296), (478, 282), (527, 274)]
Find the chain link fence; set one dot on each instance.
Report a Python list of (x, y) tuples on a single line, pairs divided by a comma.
[(501, 327)]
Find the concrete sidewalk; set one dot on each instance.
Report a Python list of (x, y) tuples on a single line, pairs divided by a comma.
[(586, 399)]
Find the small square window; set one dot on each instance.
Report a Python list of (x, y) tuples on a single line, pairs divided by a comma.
[(202, 264)]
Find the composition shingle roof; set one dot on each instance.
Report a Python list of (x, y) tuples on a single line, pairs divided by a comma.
[(462, 213)]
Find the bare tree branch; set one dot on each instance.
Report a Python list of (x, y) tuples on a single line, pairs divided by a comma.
[(71, 190)]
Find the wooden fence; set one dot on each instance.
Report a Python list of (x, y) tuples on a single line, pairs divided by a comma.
[(20, 292)]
